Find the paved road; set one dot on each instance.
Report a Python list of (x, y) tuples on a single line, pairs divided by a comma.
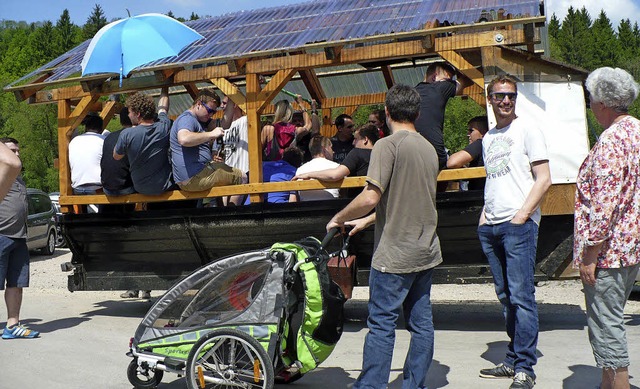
[(86, 334)]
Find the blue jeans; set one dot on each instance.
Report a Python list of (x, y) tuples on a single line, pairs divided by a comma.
[(511, 252), (389, 295)]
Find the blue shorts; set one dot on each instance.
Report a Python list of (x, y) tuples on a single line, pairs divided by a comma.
[(14, 263)]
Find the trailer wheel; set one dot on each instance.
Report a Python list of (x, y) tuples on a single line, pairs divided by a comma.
[(228, 358), (143, 378)]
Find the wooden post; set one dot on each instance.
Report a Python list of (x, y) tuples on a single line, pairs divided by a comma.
[(255, 143)]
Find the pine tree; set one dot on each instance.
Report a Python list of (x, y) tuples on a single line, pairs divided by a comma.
[(574, 39), (605, 42), (194, 16), (40, 45), (554, 26), (94, 23), (66, 33), (627, 40)]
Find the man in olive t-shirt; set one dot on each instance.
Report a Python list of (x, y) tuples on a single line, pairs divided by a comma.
[(401, 185)]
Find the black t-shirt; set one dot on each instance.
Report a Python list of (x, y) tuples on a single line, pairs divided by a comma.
[(475, 150), (357, 161), (114, 174), (434, 97), (340, 149)]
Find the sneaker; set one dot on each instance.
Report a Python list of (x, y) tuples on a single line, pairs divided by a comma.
[(499, 371), (522, 381), (145, 294), (19, 332), (129, 294)]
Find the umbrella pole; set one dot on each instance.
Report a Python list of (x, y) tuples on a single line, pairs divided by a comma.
[(121, 67)]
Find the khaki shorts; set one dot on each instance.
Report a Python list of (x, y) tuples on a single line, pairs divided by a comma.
[(213, 174), (605, 315)]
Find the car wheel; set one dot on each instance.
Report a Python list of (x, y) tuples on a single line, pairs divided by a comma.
[(51, 244), (60, 242)]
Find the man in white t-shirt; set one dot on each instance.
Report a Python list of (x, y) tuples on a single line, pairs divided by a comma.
[(85, 153), (236, 137), (517, 166), (322, 159)]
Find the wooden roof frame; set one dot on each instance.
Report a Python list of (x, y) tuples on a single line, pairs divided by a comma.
[(476, 50)]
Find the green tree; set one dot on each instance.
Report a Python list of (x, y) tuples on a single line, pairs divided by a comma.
[(194, 16), (41, 48), (605, 41), (94, 23), (554, 26), (574, 39), (66, 34)]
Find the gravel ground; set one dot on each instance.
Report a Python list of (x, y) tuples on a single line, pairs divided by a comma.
[(46, 276)]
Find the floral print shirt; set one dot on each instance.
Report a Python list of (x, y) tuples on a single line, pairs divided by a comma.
[(607, 208)]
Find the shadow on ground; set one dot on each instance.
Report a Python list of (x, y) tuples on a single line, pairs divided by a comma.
[(585, 377), (35, 256), (483, 316)]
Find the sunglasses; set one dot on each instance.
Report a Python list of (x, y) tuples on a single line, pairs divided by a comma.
[(499, 96), (209, 110)]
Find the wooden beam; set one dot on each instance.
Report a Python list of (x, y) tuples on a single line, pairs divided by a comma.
[(461, 174), (559, 200), (312, 83), (274, 86), (480, 39), (476, 90), (229, 190), (55, 95), (24, 94), (255, 143), (229, 89), (192, 90), (167, 74), (237, 65), (108, 111), (64, 136), (332, 53), (463, 66), (348, 101), (525, 65), (388, 76)]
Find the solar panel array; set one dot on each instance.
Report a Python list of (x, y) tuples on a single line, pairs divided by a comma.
[(292, 27)]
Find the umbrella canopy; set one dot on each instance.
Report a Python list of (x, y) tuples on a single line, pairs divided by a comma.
[(121, 46)]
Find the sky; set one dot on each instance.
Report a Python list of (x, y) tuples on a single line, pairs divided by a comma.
[(79, 10)]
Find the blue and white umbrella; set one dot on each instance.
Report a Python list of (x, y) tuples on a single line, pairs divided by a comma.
[(121, 46)]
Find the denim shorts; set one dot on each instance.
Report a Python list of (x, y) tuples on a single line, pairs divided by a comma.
[(14, 262), (605, 315)]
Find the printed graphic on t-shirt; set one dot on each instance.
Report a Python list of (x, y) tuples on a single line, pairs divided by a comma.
[(497, 158), (231, 139)]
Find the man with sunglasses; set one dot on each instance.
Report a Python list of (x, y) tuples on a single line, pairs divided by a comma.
[(342, 141), (517, 167), (192, 135)]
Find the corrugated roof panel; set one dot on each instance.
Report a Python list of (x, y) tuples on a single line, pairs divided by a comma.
[(292, 27)]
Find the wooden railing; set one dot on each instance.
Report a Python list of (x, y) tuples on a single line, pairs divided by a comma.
[(559, 199)]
